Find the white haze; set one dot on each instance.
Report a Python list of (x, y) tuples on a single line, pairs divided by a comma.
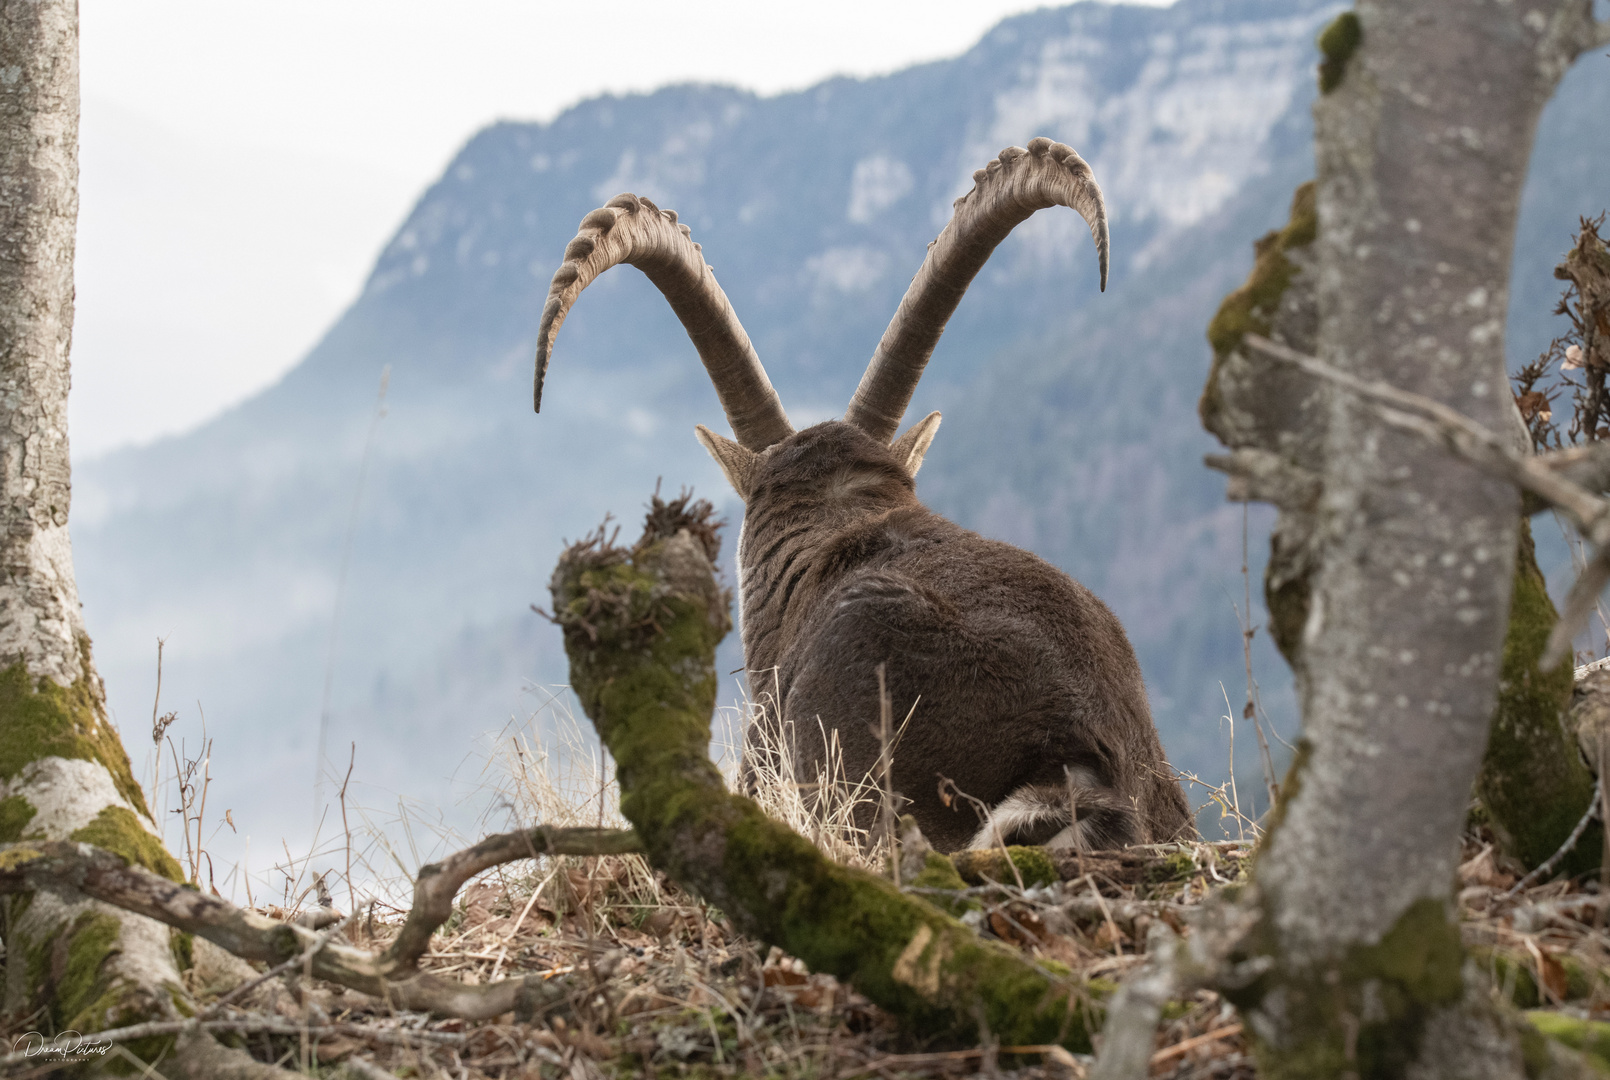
[(243, 162)]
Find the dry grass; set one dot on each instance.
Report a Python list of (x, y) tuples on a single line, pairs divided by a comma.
[(662, 986)]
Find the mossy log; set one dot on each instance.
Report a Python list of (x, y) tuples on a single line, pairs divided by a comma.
[(1533, 784), (641, 627)]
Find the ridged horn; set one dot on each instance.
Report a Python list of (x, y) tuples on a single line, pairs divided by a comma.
[(629, 229), (1005, 193)]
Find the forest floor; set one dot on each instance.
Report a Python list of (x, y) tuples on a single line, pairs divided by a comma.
[(659, 985), (664, 987)]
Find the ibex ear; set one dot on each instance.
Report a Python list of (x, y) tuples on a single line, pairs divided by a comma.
[(736, 461), (911, 446)]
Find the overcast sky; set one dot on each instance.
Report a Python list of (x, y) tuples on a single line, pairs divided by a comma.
[(244, 161)]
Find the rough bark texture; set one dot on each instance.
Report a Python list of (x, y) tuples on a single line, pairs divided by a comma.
[(641, 628), (39, 614), (1533, 784), (1423, 135), (63, 770), (1271, 416)]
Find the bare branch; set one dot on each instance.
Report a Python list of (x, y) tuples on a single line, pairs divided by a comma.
[(64, 866), (300, 959), (1265, 476), (1546, 867), (1460, 435), (1587, 465), (438, 883), (1464, 437)]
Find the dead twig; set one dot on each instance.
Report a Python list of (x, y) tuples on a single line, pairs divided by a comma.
[(1472, 442), (304, 957), (1547, 866), (438, 883), (886, 775), (57, 865)]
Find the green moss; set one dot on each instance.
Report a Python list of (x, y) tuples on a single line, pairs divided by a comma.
[(978, 867), (15, 814), (1290, 785), (40, 719), (1421, 955), (1589, 1037), (1288, 605), (1176, 867), (1375, 998), (938, 872), (82, 995), (1252, 307), (1533, 782), (1337, 42), (1535, 1057), (1514, 977), (184, 952), (641, 633), (117, 830)]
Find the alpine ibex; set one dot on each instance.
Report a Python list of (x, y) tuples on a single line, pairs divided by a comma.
[(1028, 695)]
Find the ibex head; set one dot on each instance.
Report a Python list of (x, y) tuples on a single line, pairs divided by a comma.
[(629, 229), (1031, 699)]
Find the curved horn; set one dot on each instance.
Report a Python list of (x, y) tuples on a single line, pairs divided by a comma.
[(1005, 193), (632, 230)]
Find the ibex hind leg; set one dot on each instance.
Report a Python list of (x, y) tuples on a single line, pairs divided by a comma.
[(1044, 815)]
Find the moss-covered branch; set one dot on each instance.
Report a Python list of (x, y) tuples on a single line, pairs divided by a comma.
[(641, 627)]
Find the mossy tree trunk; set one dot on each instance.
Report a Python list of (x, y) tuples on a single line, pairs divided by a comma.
[(69, 962), (641, 628), (1422, 133), (1534, 786)]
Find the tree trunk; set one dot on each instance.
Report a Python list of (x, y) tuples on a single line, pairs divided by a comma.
[(70, 963), (1534, 786), (1423, 135)]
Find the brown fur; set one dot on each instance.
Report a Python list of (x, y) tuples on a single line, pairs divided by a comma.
[(1016, 671)]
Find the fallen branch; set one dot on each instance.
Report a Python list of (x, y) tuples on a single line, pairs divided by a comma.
[(641, 627), (299, 960), (438, 883), (1465, 438), (1180, 1049), (61, 865), (270, 1025)]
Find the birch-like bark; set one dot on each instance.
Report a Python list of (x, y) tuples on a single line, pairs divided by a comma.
[(1423, 136), (70, 962), (40, 622)]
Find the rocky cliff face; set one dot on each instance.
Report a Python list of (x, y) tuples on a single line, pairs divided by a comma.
[(1070, 415)]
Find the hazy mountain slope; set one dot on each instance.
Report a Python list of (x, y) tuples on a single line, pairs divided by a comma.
[(1070, 421)]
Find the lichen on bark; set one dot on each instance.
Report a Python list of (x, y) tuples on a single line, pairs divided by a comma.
[(1348, 958), (1257, 407), (641, 626)]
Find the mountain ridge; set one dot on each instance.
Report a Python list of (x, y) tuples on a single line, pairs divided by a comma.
[(1069, 415)]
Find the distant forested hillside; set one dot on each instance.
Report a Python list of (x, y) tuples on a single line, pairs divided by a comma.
[(1070, 422)]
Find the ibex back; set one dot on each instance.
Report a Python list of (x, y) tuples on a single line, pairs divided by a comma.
[(1021, 686)]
